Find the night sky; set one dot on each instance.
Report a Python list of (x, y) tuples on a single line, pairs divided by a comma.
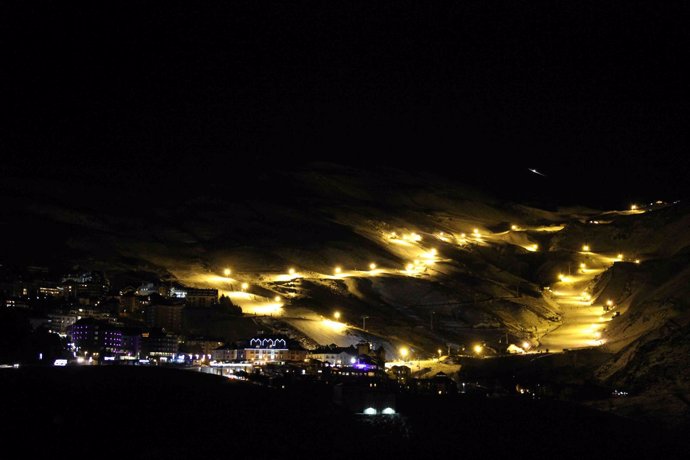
[(594, 94)]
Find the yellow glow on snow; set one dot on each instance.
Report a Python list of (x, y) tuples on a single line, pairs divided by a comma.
[(334, 325)]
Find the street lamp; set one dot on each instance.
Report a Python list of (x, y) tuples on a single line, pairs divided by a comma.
[(372, 266), (227, 272), (478, 349), (336, 315), (245, 286), (338, 270)]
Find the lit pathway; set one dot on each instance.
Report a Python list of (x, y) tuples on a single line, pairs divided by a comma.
[(583, 317)]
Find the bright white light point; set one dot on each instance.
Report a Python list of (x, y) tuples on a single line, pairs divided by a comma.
[(525, 345), (477, 348), (619, 256), (370, 411), (475, 231), (388, 411), (433, 251), (227, 272), (409, 267), (336, 315), (404, 351), (291, 271), (583, 265), (245, 286), (513, 227), (633, 207), (585, 247), (277, 299), (372, 266), (609, 302), (637, 261), (337, 270)]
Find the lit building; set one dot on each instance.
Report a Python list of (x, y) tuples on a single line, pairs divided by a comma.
[(60, 323), (85, 286), (201, 297), (334, 355), (273, 349), (201, 345), (157, 343), (92, 335), (166, 316), (228, 352)]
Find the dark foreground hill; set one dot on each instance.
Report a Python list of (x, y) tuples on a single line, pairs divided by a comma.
[(129, 413)]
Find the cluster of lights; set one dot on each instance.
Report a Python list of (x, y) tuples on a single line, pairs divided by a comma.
[(415, 237), (443, 237)]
